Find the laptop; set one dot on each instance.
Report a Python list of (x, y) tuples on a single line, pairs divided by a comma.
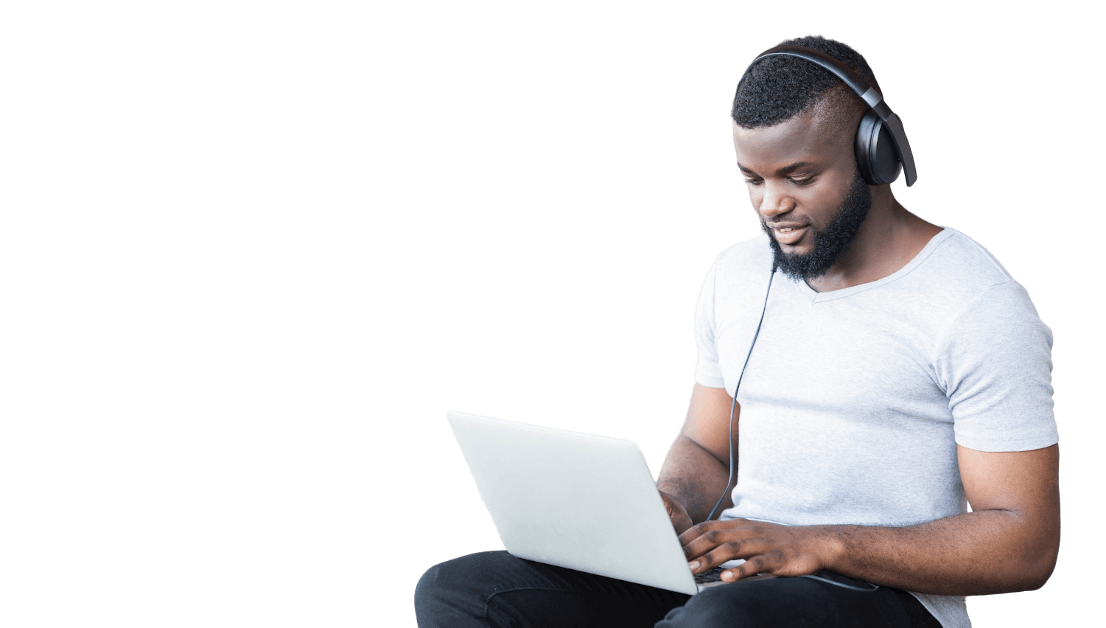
[(576, 500)]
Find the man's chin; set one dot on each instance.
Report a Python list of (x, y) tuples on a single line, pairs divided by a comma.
[(798, 263)]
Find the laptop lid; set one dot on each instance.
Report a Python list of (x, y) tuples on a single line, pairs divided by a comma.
[(574, 500)]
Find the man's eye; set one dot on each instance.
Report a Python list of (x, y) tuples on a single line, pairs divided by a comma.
[(754, 181), (805, 181)]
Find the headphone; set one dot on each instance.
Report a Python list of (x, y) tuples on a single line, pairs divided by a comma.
[(882, 150)]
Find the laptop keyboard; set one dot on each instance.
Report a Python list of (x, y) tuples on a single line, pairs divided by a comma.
[(710, 575)]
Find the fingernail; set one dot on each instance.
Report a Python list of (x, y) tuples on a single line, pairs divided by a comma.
[(694, 565), (726, 575)]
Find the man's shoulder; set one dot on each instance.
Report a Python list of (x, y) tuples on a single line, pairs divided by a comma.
[(957, 282), (955, 272), (957, 257)]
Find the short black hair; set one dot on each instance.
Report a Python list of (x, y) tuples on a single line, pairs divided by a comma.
[(778, 88)]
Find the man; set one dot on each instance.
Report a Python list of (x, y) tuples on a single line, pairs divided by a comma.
[(898, 373)]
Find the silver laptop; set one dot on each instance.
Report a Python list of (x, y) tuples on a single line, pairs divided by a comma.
[(574, 500)]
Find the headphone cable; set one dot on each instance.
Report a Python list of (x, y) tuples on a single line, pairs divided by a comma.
[(733, 407)]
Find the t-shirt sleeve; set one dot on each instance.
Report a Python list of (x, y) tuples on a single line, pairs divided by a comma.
[(995, 365), (707, 371)]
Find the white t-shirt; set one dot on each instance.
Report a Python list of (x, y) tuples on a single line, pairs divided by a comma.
[(854, 400)]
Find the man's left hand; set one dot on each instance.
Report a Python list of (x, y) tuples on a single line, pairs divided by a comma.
[(767, 548)]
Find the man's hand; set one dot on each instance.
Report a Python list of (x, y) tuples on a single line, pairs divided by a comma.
[(676, 513), (767, 548)]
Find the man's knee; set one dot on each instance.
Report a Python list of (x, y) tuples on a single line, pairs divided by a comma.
[(453, 593), (427, 594), (440, 597), (427, 587), (448, 575)]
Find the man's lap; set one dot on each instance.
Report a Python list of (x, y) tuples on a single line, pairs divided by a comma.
[(497, 589)]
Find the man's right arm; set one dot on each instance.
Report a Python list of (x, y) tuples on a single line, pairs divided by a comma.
[(697, 467)]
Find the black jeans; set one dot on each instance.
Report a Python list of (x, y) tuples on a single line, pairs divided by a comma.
[(497, 589)]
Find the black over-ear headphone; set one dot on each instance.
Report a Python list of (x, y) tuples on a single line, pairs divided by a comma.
[(882, 149)]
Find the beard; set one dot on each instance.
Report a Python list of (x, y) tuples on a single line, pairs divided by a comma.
[(829, 243)]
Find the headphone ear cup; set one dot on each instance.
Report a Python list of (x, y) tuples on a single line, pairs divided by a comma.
[(875, 151)]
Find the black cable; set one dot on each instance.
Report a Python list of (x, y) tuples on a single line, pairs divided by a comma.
[(733, 405), (733, 467), (874, 587)]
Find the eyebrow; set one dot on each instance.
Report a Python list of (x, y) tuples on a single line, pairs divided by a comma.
[(788, 169)]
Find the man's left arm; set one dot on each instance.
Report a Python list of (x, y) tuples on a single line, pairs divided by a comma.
[(1008, 542)]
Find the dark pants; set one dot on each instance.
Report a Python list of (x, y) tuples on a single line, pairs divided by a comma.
[(497, 589)]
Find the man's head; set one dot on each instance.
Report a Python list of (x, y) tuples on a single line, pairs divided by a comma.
[(794, 128)]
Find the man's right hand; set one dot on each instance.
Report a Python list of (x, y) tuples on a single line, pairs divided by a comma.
[(676, 513)]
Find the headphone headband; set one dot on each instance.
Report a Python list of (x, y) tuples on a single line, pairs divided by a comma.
[(870, 94)]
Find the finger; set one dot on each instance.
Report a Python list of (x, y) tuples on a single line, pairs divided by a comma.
[(695, 531), (718, 555), (700, 529), (728, 576), (707, 541), (761, 563), (736, 573)]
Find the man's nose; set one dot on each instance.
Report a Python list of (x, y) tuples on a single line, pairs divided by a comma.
[(774, 202)]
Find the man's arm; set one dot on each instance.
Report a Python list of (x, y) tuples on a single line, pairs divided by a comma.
[(697, 466), (1008, 543)]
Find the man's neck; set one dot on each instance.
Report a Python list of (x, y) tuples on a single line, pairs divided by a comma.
[(888, 239)]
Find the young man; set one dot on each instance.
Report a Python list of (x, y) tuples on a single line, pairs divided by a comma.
[(898, 373)]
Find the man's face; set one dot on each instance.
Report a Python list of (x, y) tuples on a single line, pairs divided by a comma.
[(805, 187)]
